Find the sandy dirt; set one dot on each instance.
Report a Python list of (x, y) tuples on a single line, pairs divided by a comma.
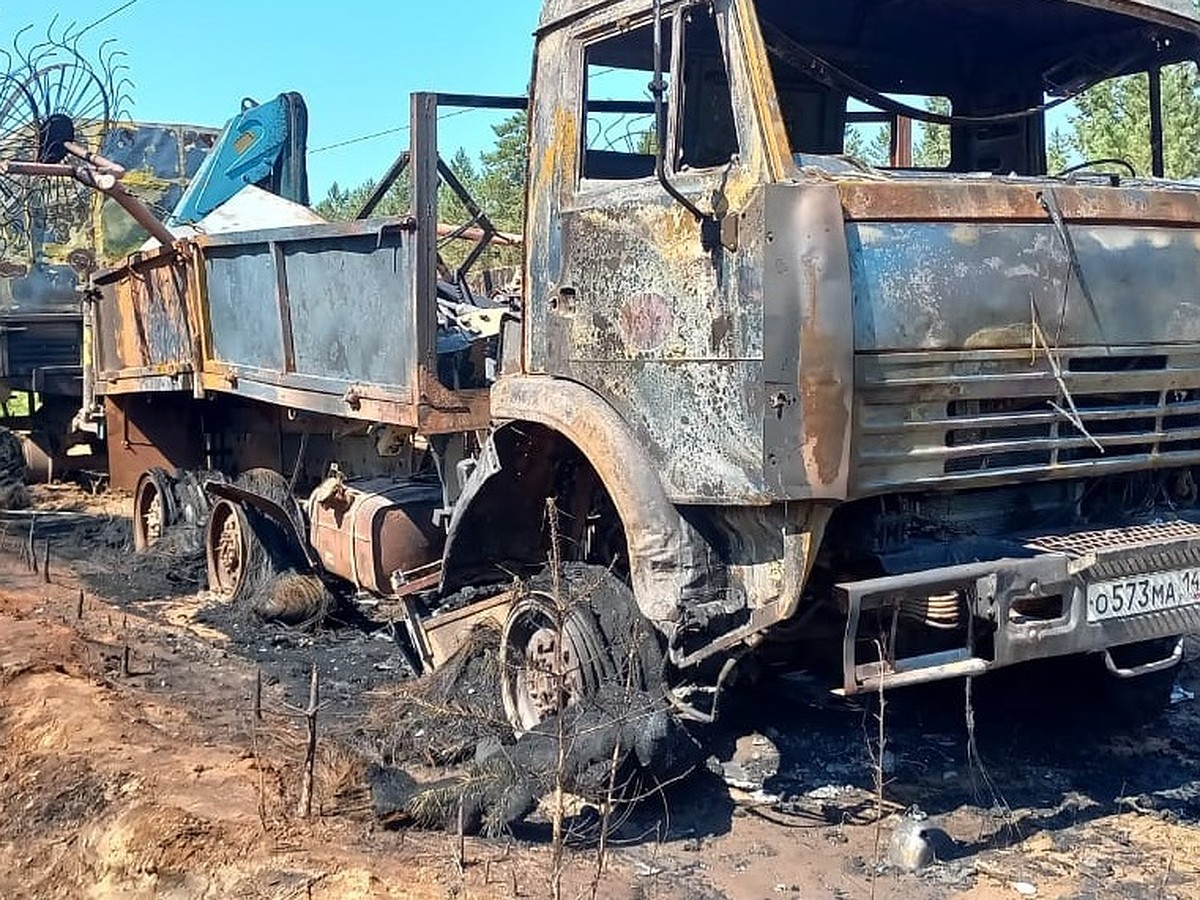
[(133, 766)]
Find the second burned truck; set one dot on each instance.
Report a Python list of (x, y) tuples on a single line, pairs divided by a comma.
[(921, 423)]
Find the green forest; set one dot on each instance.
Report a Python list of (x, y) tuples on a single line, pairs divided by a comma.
[(1111, 119)]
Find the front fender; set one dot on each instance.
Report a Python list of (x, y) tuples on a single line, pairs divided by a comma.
[(501, 510)]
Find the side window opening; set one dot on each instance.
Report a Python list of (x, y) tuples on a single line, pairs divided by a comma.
[(621, 143), (887, 141), (620, 140), (708, 136), (1112, 121)]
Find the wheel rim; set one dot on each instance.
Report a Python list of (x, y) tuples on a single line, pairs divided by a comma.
[(548, 660), (151, 512), (225, 549)]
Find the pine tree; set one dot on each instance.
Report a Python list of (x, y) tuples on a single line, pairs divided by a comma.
[(1113, 121), (501, 183), (875, 151), (1059, 152), (932, 150)]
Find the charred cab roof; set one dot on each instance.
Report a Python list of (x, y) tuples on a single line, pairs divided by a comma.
[(1180, 14)]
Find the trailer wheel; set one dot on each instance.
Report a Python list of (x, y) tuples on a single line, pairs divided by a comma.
[(228, 540), (154, 509)]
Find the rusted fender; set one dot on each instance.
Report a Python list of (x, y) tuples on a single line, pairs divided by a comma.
[(667, 558)]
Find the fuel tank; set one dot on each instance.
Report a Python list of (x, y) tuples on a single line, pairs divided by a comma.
[(367, 531)]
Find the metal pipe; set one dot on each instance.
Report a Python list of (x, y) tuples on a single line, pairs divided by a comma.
[(1158, 163), (902, 143), (51, 170), (381, 189), (106, 183), (94, 159), (658, 90), (477, 234)]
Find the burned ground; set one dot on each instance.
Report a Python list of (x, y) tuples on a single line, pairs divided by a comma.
[(114, 770)]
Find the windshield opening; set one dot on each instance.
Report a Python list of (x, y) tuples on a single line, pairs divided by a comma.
[(962, 86)]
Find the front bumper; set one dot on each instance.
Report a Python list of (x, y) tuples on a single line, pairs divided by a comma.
[(1018, 609)]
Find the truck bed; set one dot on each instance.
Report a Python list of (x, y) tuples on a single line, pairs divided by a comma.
[(329, 319)]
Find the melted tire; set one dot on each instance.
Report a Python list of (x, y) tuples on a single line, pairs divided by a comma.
[(13, 492), (611, 645), (626, 719), (274, 584)]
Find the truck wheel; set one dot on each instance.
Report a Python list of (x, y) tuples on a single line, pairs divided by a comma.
[(13, 493), (154, 508), (253, 561), (549, 659), (559, 651), (228, 544)]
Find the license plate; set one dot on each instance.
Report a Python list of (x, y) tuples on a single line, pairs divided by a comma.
[(1141, 594)]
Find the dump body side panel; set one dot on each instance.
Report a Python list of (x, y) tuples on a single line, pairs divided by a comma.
[(322, 309), (319, 319), (142, 335)]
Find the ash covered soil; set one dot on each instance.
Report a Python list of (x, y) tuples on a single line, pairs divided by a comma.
[(134, 765)]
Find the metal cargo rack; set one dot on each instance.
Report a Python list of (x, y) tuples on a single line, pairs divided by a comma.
[(333, 319)]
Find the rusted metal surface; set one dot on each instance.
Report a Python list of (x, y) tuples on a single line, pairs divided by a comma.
[(627, 301), (373, 532), (665, 554), (998, 591), (142, 333), (332, 319), (967, 199), (719, 409), (1178, 13), (150, 432), (954, 286), (264, 315), (986, 418), (440, 637), (277, 302), (808, 294), (477, 234), (961, 326), (856, 333)]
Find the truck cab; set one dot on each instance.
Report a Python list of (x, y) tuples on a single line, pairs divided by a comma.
[(938, 419)]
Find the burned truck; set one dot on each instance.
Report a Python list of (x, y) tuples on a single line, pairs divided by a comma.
[(908, 424)]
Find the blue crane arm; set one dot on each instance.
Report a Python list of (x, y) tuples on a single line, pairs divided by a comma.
[(264, 145)]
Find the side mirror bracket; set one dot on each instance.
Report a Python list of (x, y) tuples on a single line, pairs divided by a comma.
[(710, 225)]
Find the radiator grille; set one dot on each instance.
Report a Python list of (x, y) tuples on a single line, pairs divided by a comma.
[(1082, 543), (984, 417)]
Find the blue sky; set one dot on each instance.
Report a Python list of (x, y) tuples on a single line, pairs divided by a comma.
[(355, 62)]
